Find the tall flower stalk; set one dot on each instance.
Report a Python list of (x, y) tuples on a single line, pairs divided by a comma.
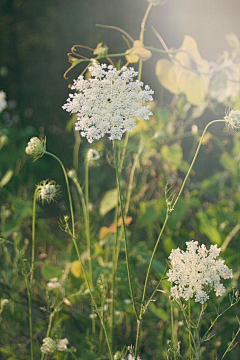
[(170, 207)]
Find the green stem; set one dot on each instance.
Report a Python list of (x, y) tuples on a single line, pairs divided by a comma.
[(141, 37), (172, 330), (163, 227), (124, 230), (87, 229), (30, 283), (189, 330), (115, 259), (194, 159), (72, 233)]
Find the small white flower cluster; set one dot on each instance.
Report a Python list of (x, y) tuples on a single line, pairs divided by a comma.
[(109, 102), (36, 148), (47, 191), (92, 155), (49, 345), (62, 344), (195, 272), (53, 284), (3, 102), (233, 119)]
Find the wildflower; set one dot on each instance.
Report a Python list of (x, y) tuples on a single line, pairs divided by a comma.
[(131, 357), (93, 155), (47, 191), (36, 148), (62, 344), (92, 316), (49, 346), (196, 272), (233, 119), (109, 102), (3, 102), (53, 284)]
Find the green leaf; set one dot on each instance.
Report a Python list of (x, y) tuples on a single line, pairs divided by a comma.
[(50, 271), (159, 312), (172, 154), (229, 163), (108, 202), (208, 227)]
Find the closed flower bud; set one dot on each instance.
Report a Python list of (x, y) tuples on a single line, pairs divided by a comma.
[(49, 346), (36, 148)]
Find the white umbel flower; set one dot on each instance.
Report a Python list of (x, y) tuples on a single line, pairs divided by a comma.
[(195, 272), (36, 148), (3, 102), (109, 102), (47, 191), (49, 346), (233, 119), (53, 284)]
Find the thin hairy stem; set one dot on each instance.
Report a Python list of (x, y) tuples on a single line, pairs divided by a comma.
[(87, 229), (189, 333), (172, 331), (114, 270), (124, 230), (30, 282), (141, 37)]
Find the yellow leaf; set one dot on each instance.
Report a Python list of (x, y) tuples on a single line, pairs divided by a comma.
[(128, 221), (76, 268), (103, 232), (187, 73), (168, 75), (138, 52)]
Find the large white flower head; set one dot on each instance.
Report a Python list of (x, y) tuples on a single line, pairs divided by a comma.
[(109, 102), (233, 119), (3, 102), (196, 271)]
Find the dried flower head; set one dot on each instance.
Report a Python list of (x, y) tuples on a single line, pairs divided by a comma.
[(233, 119), (49, 346), (36, 148), (195, 272), (109, 102), (47, 191), (3, 102)]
